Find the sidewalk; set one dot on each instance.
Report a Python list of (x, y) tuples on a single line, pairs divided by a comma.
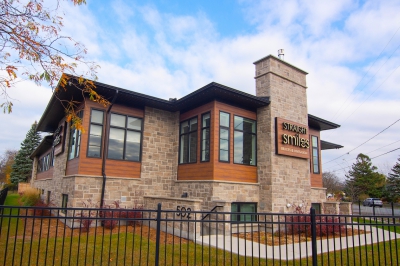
[(297, 250)]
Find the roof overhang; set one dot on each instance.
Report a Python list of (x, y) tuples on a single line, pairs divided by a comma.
[(44, 145), (320, 124), (328, 145), (55, 109)]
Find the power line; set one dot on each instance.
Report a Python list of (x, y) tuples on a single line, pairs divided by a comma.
[(363, 142), (370, 158), (368, 71), (372, 92)]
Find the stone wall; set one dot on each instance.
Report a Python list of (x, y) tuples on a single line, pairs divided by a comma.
[(177, 223), (57, 185), (318, 194), (158, 168), (283, 179), (211, 193), (159, 152)]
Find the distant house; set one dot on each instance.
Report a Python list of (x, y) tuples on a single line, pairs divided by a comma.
[(216, 145)]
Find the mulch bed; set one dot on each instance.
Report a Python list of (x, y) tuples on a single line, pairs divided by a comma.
[(280, 238)]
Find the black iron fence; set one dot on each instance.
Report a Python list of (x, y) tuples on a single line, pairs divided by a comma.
[(75, 236), (3, 195), (387, 208)]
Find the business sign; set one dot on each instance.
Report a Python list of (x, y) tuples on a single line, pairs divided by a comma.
[(59, 140), (292, 139)]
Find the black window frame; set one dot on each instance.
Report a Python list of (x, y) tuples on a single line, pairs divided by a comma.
[(46, 162), (126, 129), (64, 203), (203, 128), (312, 155), (229, 137), (102, 133), (188, 133), (77, 140), (238, 214), (48, 197), (247, 132)]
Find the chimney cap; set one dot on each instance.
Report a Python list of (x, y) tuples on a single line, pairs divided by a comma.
[(281, 54)]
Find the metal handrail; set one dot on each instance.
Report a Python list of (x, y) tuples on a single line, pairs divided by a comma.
[(205, 216)]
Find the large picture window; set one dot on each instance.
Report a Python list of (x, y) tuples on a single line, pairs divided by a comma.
[(46, 162), (125, 138), (188, 141), (243, 212), (224, 119), (315, 154), (74, 140), (95, 133), (244, 141), (205, 137)]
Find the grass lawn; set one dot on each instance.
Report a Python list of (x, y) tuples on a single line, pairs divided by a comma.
[(371, 222), (127, 246)]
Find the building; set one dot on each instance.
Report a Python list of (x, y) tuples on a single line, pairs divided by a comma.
[(216, 146)]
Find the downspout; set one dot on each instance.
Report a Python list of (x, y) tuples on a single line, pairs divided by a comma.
[(105, 152)]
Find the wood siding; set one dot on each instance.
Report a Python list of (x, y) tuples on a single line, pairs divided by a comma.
[(316, 179), (199, 170), (92, 166), (214, 169), (46, 174), (231, 171)]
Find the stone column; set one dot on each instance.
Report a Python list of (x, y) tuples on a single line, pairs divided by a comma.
[(283, 179)]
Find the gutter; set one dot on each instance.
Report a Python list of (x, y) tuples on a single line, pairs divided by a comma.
[(105, 152)]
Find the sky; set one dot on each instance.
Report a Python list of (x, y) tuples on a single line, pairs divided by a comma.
[(168, 49)]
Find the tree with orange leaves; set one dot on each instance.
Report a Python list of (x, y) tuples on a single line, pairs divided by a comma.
[(6, 162), (32, 47)]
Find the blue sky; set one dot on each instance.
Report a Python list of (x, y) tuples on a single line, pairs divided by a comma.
[(170, 48)]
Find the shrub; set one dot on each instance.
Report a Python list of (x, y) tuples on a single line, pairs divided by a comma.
[(86, 214), (111, 213), (134, 215), (42, 211), (30, 197)]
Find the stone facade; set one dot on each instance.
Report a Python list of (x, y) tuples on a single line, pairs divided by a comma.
[(282, 180)]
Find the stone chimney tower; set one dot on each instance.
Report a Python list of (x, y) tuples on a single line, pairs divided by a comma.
[(283, 179)]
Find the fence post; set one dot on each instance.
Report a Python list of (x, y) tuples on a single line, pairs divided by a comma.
[(158, 219), (394, 219), (359, 207), (313, 237)]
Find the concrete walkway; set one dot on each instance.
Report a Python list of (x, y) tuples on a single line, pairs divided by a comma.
[(297, 250)]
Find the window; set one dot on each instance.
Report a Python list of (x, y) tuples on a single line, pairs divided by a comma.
[(224, 119), (48, 197), (95, 134), (247, 209), (188, 141), (315, 154), (317, 207), (74, 140), (244, 141), (46, 162), (64, 203), (205, 137), (125, 138)]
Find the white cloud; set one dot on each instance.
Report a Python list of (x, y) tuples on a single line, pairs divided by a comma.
[(144, 49)]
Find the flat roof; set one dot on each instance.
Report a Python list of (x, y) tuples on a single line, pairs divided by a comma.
[(320, 124), (325, 145)]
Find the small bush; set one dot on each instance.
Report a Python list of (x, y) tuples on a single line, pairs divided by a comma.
[(85, 221), (43, 211), (30, 197)]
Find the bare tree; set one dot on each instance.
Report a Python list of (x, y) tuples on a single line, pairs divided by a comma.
[(332, 182)]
